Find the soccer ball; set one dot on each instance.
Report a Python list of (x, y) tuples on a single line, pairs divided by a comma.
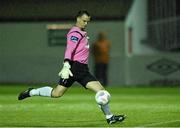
[(102, 97)]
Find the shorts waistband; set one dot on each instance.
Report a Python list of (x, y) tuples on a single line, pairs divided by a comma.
[(78, 64)]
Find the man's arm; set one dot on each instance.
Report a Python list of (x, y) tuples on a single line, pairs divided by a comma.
[(72, 42), (65, 71)]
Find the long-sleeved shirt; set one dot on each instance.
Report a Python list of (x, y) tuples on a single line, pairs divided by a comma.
[(77, 48), (101, 49)]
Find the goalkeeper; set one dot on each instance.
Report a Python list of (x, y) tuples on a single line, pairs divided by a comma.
[(75, 68)]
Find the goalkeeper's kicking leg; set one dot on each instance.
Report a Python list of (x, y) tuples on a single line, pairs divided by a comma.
[(96, 86), (43, 91), (66, 79)]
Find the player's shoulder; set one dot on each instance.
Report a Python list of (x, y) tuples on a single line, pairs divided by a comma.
[(75, 31)]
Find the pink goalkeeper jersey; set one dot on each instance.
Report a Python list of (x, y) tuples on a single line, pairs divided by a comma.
[(77, 48)]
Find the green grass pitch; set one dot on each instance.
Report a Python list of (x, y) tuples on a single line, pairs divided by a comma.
[(144, 107)]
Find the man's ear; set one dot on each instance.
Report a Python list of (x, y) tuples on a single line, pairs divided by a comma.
[(78, 19)]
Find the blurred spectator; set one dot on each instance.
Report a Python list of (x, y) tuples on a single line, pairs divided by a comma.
[(101, 49)]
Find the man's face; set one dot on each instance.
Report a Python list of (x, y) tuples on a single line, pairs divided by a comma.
[(83, 21)]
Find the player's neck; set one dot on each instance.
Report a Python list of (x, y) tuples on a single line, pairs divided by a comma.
[(79, 26)]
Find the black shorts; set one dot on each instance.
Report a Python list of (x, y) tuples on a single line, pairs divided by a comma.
[(81, 74)]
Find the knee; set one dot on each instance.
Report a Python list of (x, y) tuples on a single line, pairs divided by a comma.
[(56, 94)]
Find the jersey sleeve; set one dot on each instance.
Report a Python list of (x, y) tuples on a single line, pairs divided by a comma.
[(72, 41)]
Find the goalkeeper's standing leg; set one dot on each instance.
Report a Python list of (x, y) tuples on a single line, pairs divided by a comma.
[(111, 118)]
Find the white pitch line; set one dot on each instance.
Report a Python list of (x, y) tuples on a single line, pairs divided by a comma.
[(159, 123)]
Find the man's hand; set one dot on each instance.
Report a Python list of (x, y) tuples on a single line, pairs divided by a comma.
[(65, 71)]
